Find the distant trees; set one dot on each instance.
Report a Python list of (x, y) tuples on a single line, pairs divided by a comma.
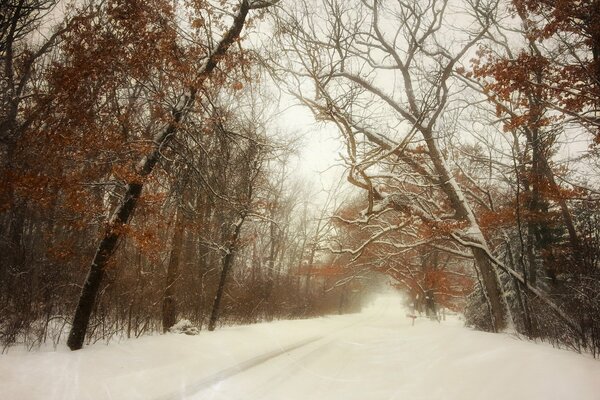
[(431, 270), (23, 57)]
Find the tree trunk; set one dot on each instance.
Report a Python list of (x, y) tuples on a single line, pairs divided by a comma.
[(490, 281), (477, 242), (492, 289), (105, 250), (227, 263), (343, 301), (169, 305), (271, 273)]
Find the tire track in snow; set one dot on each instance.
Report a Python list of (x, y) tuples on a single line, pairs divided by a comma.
[(299, 363), (210, 380), (206, 382)]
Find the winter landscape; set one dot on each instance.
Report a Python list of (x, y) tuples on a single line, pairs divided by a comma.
[(308, 199)]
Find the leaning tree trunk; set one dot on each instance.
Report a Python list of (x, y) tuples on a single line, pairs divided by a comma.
[(489, 278), (477, 242), (227, 263), (105, 250), (125, 209)]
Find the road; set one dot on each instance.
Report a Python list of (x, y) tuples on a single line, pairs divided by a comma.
[(379, 355), (348, 363)]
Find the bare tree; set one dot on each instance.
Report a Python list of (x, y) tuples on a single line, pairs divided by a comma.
[(351, 54)]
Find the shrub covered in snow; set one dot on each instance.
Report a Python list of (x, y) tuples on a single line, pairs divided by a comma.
[(184, 326)]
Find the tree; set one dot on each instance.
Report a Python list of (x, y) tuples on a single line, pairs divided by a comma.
[(245, 182), (514, 83), (572, 34), (164, 131), (27, 42), (348, 67), (543, 89)]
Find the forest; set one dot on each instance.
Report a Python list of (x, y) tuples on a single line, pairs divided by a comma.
[(149, 171)]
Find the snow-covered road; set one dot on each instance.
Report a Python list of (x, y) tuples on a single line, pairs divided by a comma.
[(380, 356), (373, 355)]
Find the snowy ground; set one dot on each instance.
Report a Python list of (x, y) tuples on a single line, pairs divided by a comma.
[(368, 356)]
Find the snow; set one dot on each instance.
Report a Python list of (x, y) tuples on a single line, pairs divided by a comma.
[(373, 355), (184, 326)]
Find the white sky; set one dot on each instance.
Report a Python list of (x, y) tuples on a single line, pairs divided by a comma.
[(317, 161)]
